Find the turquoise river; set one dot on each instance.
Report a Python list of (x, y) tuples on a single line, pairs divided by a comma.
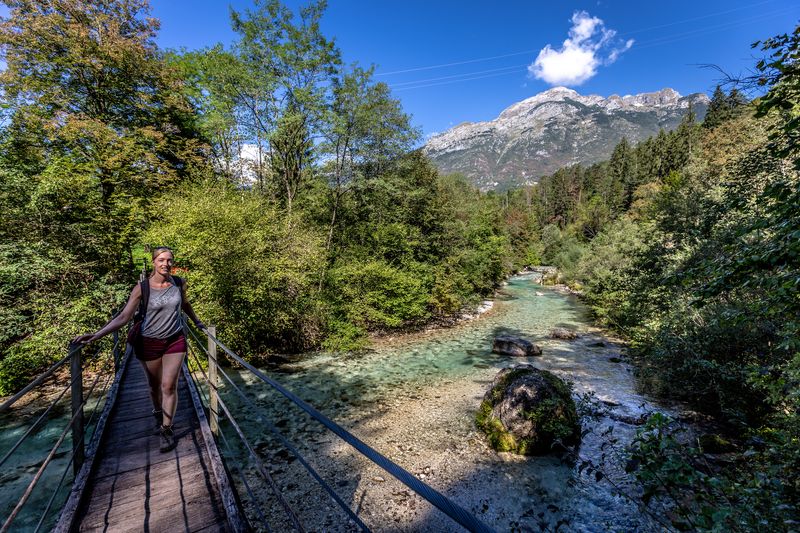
[(413, 398)]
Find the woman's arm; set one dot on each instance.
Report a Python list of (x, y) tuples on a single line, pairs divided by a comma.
[(187, 307), (115, 323)]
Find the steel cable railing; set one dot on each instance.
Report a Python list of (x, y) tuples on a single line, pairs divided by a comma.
[(77, 423), (259, 464), (228, 447), (38, 381), (254, 410), (452, 510), (29, 490), (36, 423), (44, 415), (225, 442), (263, 470), (101, 396)]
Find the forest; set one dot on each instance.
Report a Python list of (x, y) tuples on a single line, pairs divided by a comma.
[(338, 228), (304, 217)]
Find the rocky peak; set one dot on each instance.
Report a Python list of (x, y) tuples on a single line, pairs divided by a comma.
[(554, 128)]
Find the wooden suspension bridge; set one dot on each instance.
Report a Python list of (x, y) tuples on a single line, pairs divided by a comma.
[(122, 482)]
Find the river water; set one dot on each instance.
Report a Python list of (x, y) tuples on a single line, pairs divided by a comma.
[(413, 399)]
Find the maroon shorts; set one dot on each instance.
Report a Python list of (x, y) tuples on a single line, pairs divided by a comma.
[(152, 349)]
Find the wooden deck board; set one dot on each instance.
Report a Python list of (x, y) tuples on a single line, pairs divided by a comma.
[(135, 487)]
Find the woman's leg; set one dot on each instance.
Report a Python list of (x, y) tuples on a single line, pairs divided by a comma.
[(170, 370), (152, 370)]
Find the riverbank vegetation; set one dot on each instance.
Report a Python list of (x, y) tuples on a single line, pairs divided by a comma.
[(689, 245)]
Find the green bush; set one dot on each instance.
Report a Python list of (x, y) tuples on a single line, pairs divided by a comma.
[(689, 490), (251, 271), (607, 271), (376, 295), (48, 298)]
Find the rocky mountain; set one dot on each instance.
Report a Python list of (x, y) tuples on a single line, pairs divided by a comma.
[(556, 128)]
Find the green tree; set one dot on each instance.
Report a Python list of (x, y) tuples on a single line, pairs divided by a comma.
[(622, 173), (718, 109), (91, 96), (287, 69), (249, 272), (365, 131), (213, 84), (723, 107), (96, 127)]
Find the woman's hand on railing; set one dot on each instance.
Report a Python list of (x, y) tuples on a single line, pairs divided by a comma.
[(84, 339)]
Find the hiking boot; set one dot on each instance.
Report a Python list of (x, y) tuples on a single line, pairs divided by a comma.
[(167, 439)]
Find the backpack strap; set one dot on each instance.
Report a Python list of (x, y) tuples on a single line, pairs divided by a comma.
[(144, 285), (179, 283)]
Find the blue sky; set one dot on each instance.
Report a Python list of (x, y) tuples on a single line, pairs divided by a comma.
[(455, 61)]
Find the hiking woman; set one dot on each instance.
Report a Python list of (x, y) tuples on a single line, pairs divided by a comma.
[(161, 344)]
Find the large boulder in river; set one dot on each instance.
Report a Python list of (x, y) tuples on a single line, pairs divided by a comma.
[(516, 346), (528, 411)]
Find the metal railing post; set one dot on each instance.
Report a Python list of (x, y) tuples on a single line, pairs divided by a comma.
[(76, 377), (213, 398)]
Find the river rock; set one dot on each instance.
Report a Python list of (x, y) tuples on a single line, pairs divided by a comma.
[(528, 411), (563, 333), (516, 346)]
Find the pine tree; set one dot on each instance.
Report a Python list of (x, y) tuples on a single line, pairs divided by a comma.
[(723, 107), (718, 109)]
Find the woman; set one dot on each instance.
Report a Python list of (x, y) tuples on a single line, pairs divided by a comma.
[(162, 345)]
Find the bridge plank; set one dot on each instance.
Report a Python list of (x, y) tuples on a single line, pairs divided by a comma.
[(175, 496)]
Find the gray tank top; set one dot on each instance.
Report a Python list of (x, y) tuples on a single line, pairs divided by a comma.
[(163, 318)]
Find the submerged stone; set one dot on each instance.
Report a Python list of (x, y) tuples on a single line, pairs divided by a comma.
[(516, 346), (528, 411), (563, 333)]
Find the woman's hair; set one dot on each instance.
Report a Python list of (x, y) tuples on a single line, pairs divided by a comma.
[(160, 250)]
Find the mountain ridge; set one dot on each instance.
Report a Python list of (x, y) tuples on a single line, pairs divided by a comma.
[(552, 129)]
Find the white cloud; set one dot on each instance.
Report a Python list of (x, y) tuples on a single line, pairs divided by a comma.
[(589, 45), (617, 51)]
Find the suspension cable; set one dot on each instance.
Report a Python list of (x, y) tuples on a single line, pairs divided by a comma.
[(249, 491), (254, 410), (72, 453), (46, 462), (39, 379), (259, 464), (451, 509), (36, 423), (42, 416), (262, 469)]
